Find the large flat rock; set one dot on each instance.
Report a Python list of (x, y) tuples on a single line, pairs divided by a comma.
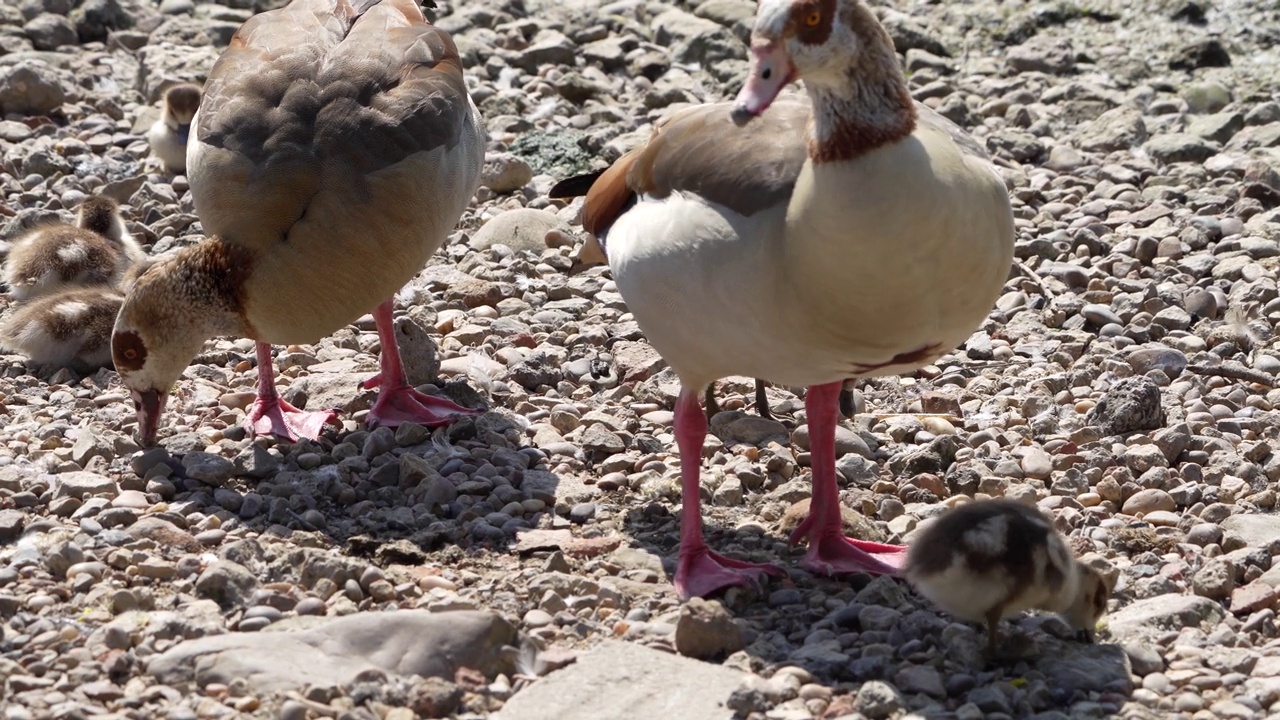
[(333, 652), (1147, 619), (625, 680)]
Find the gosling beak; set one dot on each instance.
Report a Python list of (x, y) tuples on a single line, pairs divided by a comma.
[(184, 131), (149, 404), (771, 70)]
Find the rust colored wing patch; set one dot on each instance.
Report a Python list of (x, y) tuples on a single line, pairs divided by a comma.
[(608, 195), (699, 150)]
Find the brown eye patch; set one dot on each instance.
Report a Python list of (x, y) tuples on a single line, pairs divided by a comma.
[(812, 20), (128, 351)]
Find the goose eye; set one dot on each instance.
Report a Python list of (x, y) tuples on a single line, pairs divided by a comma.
[(130, 354), (813, 18)]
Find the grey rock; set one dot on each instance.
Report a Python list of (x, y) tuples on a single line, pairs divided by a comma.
[(1179, 147), (255, 462), (1146, 619), (621, 679), (924, 679), (339, 390), (227, 583), (1042, 54), (706, 630), (30, 88), (82, 484), (208, 468), (96, 19), (1130, 404), (522, 229), (1257, 531), (1169, 360), (1219, 127), (11, 524), (335, 652), (1205, 97), (505, 172), (163, 64), (1117, 129), (877, 700), (48, 31)]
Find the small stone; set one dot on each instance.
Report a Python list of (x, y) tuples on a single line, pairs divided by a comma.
[(1149, 500), (208, 468), (1215, 580), (877, 700), (706, 630)]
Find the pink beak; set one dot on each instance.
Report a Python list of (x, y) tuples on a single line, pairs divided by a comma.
[(771, 70)]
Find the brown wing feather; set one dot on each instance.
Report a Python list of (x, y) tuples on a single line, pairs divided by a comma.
[(608, 195), (321, 89), (700, 150)]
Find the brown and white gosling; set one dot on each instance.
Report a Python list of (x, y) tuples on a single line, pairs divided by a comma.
[(70, 328), (51, 257), (986, 560), (168, 135)]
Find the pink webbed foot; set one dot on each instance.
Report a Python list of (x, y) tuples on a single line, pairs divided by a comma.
[(401, 404), (702, 573), (276, 417), (831, 553)]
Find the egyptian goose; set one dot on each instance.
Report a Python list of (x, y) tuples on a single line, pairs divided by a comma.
[(70, 329), (50, 257), (168, 135), (851, 234), (334, 151), (986, 560)]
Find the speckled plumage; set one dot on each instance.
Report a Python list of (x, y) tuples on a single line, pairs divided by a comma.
[(51, 257), (985, 560), (70, 329)]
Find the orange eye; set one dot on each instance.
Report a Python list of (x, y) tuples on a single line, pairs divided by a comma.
[(813, 18)]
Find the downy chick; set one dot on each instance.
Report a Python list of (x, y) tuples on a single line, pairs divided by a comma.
[(52, 257), (168, 135), (986, 560), (70, 329)]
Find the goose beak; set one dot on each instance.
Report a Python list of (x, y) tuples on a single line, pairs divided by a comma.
[(149, 404), (771, 70)]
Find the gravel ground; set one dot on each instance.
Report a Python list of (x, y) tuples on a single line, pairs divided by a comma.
[(1124, 382)]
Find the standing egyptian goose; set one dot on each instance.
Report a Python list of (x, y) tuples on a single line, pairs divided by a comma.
[(804, 242), (334, 150), (51, 257), (168, 135), (986, 560)]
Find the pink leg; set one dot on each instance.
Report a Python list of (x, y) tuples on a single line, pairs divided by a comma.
[(270, 414), (699, 571), (830, 552), (398, 403)]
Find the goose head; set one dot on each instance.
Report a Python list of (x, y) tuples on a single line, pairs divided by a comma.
[(819, 41), (1089, 603), (168, 314)]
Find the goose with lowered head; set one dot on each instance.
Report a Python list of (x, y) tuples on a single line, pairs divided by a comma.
[(335, 149)]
